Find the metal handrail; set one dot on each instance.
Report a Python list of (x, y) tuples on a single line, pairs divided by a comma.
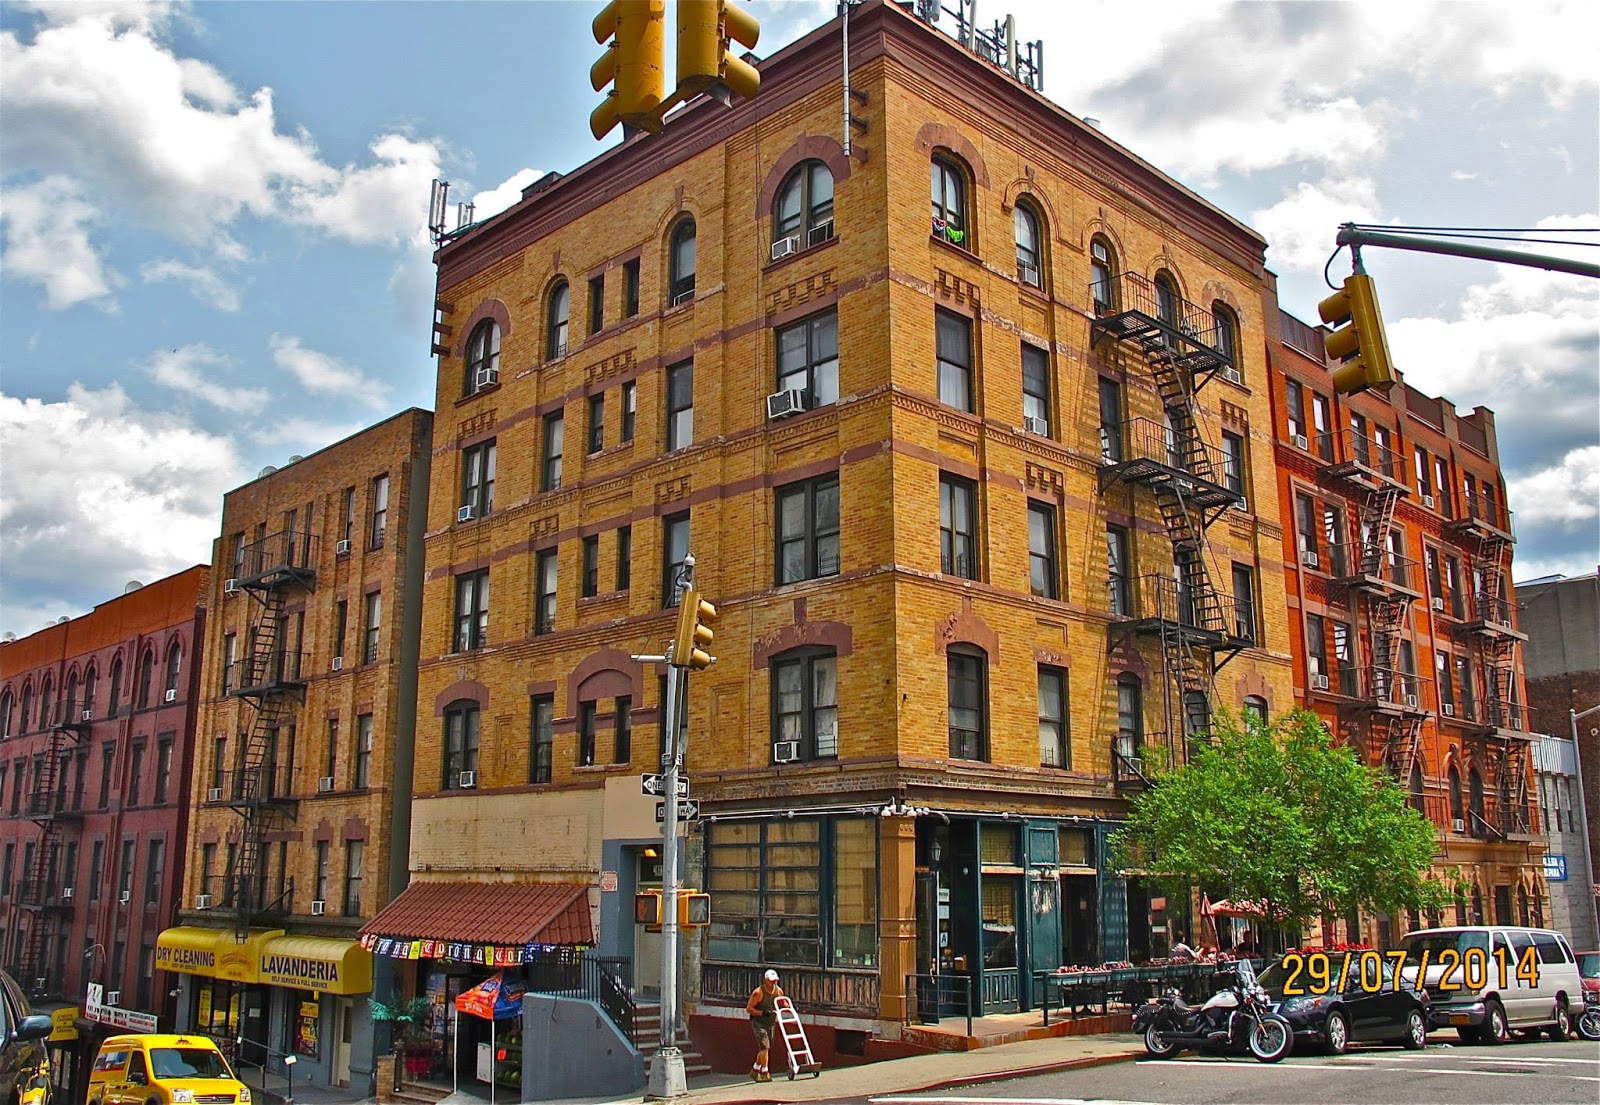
[(915, 997), (1348, 446)]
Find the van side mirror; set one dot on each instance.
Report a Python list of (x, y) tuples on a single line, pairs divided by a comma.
[(138, 1078)]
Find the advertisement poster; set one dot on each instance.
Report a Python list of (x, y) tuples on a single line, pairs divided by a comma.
[(305, 1030), (202, 1015)]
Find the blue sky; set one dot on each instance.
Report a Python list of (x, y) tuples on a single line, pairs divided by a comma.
[(213, 254)]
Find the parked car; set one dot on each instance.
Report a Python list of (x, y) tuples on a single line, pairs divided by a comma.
[(1487, 981), (1384, 1010), (1589, 971), (24, 1058), (159, 1069)]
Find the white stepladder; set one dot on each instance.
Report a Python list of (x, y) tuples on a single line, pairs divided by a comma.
[(801, 1061)]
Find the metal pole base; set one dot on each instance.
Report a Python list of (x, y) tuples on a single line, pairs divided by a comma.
[(667, 1080)]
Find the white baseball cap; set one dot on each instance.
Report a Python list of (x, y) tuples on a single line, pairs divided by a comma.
[(771, 975)]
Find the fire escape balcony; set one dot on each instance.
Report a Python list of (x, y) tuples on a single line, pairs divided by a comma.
[(1148, 452), (229, 892), (279, 560), (1390, 692), (1369, 567), (1483, 519), (1158, 605), (258, 677), (1358, 459), (46, 896), (1136, 757), (1493, 719), (1488, 616), (51, 806), (1130, 308), (267, 785)]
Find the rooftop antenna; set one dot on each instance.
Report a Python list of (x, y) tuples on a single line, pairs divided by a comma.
[(998, 45), (464, 215), (438, 203)]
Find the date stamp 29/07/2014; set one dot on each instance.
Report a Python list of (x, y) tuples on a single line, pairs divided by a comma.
[(1320, 973)]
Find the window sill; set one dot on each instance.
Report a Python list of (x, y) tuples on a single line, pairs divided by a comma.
[(598, 769), (960, 251), (1037, 291), (478, 394), (809, 251), (604, 598), (682, 306)]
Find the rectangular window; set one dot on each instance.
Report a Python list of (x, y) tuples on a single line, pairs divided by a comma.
[(330, 766), (622, 731), (597, 423), (155, 860), (341, 619), (597, 303), (1119, 581), (1244, 603), (542, 738), (674, 550), (805, 706), (958, 527), (1044, 577), (680, 405), (591, 565), (1464, 684), (319, 889), (624, 557), (1295, 404), (460, 743), (219, 764), (97, 868), (630, 288), (230, 660), (1344, 658), (1424, 480), (1441, 480), (374, 626), (766, 887), (238, 561), (1233, 462), (1306, 530), (125, 872), (379, 524), (1322, 424), (630, 409), (554, 435), (544, 603), (855, 893), (472, 610), (1110, 421), (163, 768), (808, 358), (586, 723), (1452, 578), (1054, 747), (954, 340), (968, 731), (135, 776), (355, 857), (1447, 692), (477, 478), (347, 515), (808, 529), (363, 772), (1316, 646), (1036, 390)]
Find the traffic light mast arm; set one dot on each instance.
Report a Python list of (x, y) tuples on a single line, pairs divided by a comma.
[(1356, 237)]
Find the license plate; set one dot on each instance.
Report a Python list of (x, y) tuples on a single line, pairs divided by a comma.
[(1460, 1018)]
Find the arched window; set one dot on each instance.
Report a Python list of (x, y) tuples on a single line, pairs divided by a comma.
[(1102, 276), (47, 702), (174, 663), (147, 668), (1475, 801), (1227, 333), (805, 705), (116, 687), (1030, 254), (460, 745), (1415, 795), (1129, 741), (948, 185), (27, 708), (91, 683), (804, 210), (681, 262), (483, 357), (8, 706), (966, 669), (555, 331), (1255, 707), (1458, 812), (1167, 299), (70, 708)]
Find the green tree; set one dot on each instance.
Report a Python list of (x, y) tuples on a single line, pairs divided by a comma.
[(1277, 814)]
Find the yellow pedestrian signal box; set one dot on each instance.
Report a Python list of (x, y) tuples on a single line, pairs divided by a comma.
[(633, 65), (690, 647), (1361, 347), (647, 908), (694, 908), (706, 30)]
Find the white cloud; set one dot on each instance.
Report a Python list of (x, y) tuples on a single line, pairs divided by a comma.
[(384, 204), (1300, 226), (322, 374), (203, 282), (192, 368), (502, 195), (1565, 493), (137, 496), (46, 231)]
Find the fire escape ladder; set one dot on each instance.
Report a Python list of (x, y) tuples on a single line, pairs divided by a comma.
[(1377, 518), (1388, 617), (1405, 745), (1499, 671), (39, 890), (1515, 765)]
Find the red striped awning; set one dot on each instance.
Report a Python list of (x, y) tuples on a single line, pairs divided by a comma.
[(488, 913)]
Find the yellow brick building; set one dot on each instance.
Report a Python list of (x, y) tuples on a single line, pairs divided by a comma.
[(984, 502), (303, 760)]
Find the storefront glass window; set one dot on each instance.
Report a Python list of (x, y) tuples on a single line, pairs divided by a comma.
[(303, 1014), (999, 920), (855, 894)]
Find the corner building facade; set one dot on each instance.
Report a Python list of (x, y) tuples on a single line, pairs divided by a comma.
[(1399, 547), (985, 503), (303, 767)]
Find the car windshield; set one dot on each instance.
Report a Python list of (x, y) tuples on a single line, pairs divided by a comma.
[(188, 1062), (1433, 943), (1589, 964)]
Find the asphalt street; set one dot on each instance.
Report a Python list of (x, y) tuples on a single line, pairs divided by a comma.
[(1541, 1073)]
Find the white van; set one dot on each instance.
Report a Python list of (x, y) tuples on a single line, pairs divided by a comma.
[(1486, 981)]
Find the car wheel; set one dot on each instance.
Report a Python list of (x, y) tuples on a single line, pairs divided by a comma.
[(1562, 1029), (1336, 1034), (1416, 1036), (1494, 1030), (1468, 1034)]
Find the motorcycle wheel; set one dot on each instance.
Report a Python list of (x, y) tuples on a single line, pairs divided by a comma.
[(1157, 1044), (1270, 1039), (1589, 1024)]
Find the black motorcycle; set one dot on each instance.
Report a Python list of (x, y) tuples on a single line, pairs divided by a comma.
[(1238, 1018), (1588, 1025)]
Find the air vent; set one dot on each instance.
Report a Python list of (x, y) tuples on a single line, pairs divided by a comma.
[(1299, 441), (782, 404), (1310, 559), (466, 513), (202, 901), (338, 663), (318, 907), (1032, 425), (467, 779), (172, 695), (785, 752), (784, 247), (1319, 682), (214, 794), (325, 785), (230, 587), (342, 547)]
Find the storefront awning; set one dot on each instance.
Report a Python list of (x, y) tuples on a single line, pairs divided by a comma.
[(317, 963), (215, 953), (497, 913)]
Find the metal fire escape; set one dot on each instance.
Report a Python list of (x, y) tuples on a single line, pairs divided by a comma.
[(1490, 633), (1185, 613), (1379, 583), (51, 808), (259, 787)]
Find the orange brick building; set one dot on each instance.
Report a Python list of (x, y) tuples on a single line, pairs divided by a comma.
[(1399, 547), (303, 766), (986, 503)]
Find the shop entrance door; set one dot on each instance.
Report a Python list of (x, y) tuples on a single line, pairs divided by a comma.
[(647, 945), (1079, 938), (342, 1015), (253, 1025)]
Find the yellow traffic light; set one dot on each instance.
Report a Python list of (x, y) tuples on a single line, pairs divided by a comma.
[(647, 908), (693, 639), (634, 63), (694, 908), (1362, 348), (705, 30)]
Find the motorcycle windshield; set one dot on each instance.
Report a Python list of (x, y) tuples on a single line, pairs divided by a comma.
[(1247, 974)]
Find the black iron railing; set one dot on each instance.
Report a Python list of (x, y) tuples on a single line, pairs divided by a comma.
[(929, 996)]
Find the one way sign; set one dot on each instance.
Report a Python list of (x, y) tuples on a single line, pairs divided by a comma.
[(688, 810), (656, 785)]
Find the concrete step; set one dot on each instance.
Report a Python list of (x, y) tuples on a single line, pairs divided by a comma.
[(647, 1038)]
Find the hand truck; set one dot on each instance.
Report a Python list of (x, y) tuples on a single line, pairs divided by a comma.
[(801, 1061)]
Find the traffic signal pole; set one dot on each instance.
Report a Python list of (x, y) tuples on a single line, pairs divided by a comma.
[(1355, 236)]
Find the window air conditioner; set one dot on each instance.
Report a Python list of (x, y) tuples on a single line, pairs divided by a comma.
[(325, 784), (127, 896), (466, 779), (781, 404), (202, 901), (1319, 682), (1411, 702), (1449, 709), (1437, 604), (486, 377), (1427, 501), (681, 297), (230, 587), (342, 548), (819, 234), (113, 997), (318, 907), (1232, 375), (785, 752), (1032, 425), (1457, 825), (66, 893), (1028, 273), (338, 663), (1309, 558), (214, 794), (783, 247), (1299, 441), (87, 715), (172, 695), (466, 513)]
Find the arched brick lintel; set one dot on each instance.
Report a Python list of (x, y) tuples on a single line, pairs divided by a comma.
[(964, 627), (489, 308), (607, 673), (933, 136), (834, 635), (807, 147), (469, 689)]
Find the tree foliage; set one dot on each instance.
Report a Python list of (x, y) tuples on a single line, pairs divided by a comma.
[(1276, 814)]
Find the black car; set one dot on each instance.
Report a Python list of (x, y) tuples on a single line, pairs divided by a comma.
[(1332, 1017), (24, 1060)]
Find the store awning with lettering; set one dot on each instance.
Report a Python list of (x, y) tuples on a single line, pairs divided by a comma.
[(215, 953), (317, 963)]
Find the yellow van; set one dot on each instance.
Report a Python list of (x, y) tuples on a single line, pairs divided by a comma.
[(163, 1070)]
